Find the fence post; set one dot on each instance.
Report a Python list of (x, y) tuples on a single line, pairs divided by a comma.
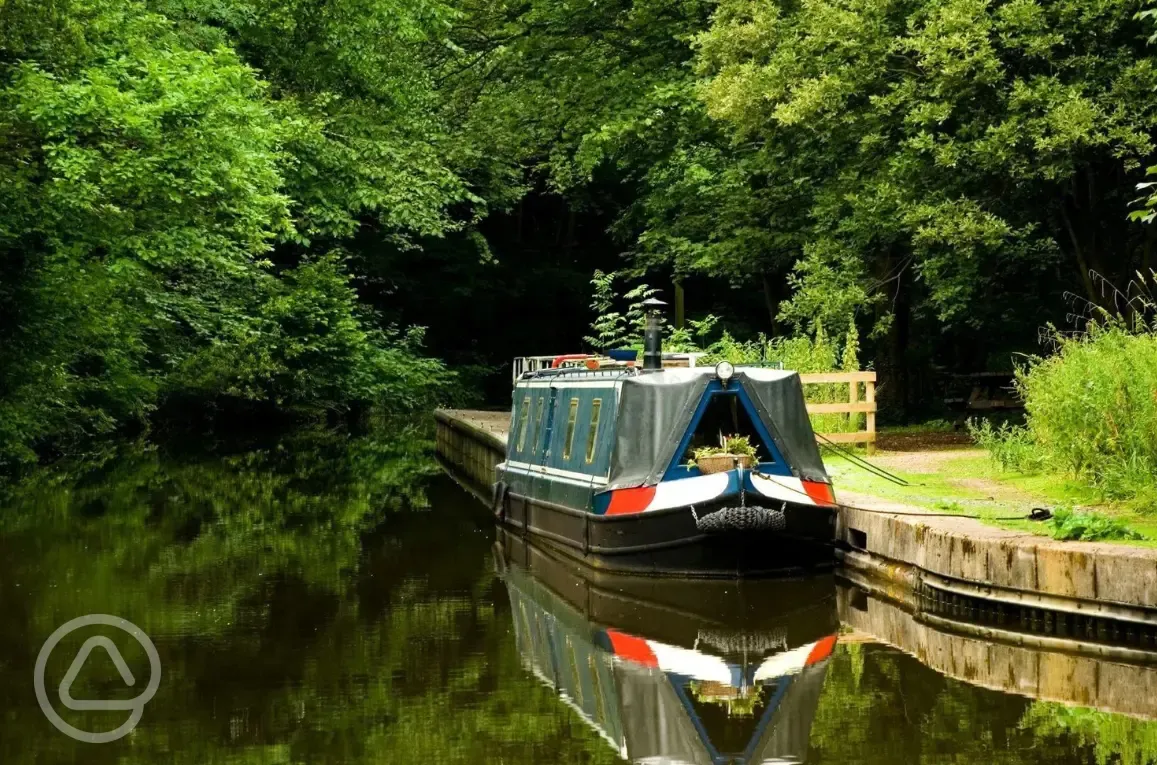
[(852, 409), (853, 399)]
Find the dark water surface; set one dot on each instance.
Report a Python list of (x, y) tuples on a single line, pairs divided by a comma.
[(329, 601)]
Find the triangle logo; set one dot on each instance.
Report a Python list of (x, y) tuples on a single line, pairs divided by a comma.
[(74, 670)]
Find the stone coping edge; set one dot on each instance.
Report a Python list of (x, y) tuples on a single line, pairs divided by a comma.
[(966, 557)]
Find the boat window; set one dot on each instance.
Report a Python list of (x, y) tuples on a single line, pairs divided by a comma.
[(570, 423), (537, 424), (522, 418), (596, 409)]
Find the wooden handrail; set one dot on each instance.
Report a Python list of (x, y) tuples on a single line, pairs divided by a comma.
[(854, 405), (857, 408)]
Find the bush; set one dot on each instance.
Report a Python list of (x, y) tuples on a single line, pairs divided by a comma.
[(1092, 408), (307, 343), (1070, 524), (1010, 446), (1091, 412)]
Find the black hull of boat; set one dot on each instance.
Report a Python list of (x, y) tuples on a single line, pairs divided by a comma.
[(670, 543)]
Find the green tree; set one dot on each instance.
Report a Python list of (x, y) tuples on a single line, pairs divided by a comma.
[(167, 214)]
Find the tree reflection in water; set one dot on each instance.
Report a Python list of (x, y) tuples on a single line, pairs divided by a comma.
[(329, 599)]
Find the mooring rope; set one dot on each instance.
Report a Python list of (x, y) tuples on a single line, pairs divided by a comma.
[(862, 463), (1037, 514)]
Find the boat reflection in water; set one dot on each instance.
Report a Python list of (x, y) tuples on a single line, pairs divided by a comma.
[(675, 671)]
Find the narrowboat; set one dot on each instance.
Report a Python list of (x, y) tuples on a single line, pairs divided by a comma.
[(674, 683), (599, 464)]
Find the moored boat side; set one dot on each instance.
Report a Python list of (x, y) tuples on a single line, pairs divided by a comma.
[(598, 464)]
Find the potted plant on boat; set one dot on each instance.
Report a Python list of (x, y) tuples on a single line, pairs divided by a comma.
[(731, 452)]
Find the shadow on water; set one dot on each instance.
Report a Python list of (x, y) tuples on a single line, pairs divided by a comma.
[(334, 600)]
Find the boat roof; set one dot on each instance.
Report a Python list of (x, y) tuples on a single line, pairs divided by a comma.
[(656, 409), (664, 376)]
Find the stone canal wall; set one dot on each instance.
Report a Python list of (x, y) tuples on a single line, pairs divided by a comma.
[(911, 549), (470, 444), (963, 556), (1109, 683)]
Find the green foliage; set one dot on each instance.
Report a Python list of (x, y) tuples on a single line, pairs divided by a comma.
[(940, 138), (159, 196), (952, 164), (739, 446), (1068, 523), (1010, 446), (1091, 407), (178, 176), (693, 337), (309, 344), (1113, 738), (610, 328)]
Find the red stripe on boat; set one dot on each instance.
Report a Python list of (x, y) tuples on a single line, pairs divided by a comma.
[(567, 357), (821, 650), (820, 493), (632, 648), (628, 501)]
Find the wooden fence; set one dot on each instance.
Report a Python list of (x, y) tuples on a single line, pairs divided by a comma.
[(867, 406)]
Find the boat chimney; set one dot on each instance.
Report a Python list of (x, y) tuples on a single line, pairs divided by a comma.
[(653, 334)]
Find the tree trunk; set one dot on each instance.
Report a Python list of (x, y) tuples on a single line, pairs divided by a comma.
[(1147, 251), (1079, 252), (569, 241), (901, 326)]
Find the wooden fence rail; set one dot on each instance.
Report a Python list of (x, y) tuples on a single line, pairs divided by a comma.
[(866, 407)]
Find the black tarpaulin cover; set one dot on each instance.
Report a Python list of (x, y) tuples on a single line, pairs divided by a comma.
[(655, 411)]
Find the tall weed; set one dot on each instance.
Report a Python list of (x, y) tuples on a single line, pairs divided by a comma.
[(1092, 407), (1010, 446)]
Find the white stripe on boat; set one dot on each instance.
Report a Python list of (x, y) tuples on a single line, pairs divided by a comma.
[(586, 479), (688, 491), (782, 487)]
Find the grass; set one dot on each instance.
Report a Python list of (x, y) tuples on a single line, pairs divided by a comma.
[(966, 482)]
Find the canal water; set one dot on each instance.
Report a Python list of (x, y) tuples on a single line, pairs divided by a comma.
[(330, 600)]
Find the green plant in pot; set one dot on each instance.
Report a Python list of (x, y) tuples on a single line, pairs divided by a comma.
[(731, 451)]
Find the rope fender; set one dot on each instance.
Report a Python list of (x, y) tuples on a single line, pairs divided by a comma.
[(498, 502), (743, 519)]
